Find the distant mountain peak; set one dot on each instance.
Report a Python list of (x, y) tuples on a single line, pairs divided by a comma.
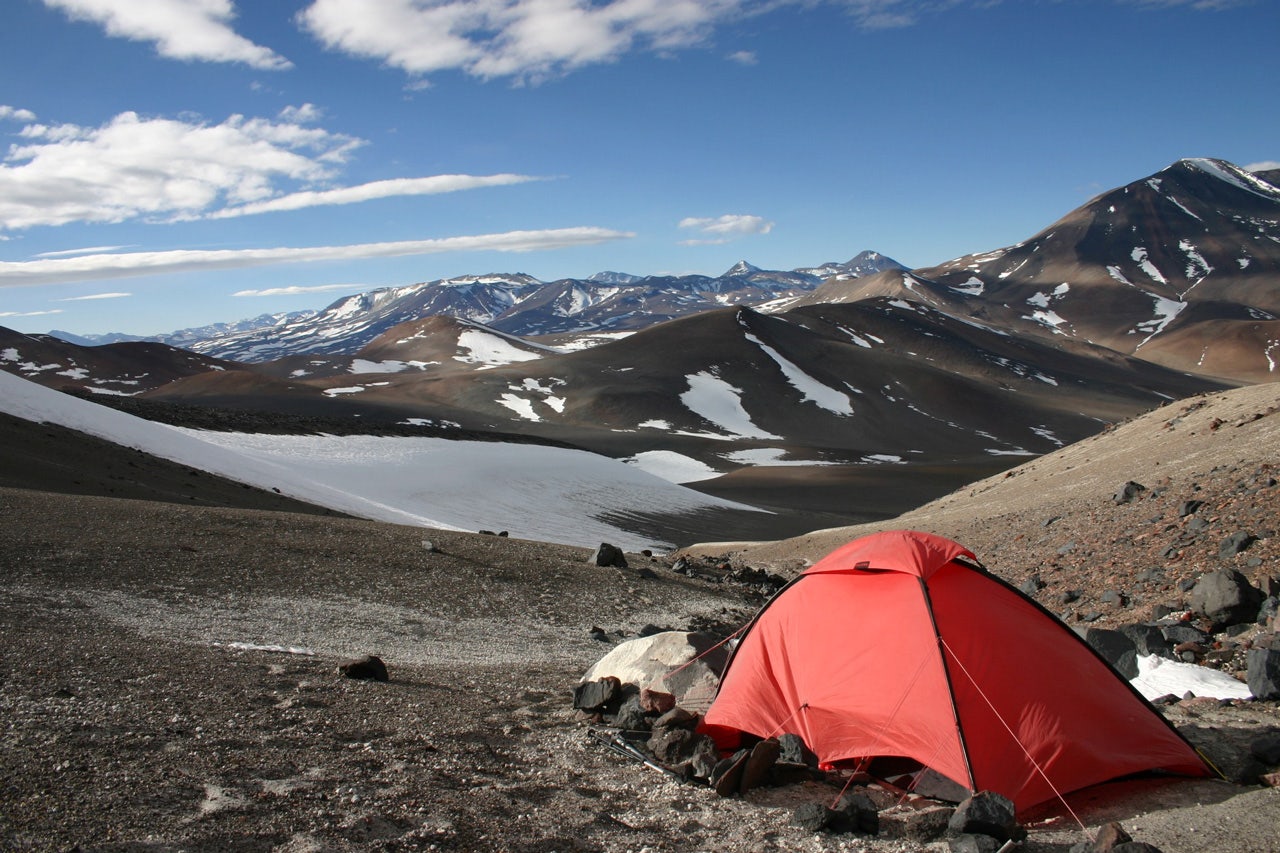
[(611, 277), (740, 268)]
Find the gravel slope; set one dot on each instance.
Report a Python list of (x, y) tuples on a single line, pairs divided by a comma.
[(138, 714)]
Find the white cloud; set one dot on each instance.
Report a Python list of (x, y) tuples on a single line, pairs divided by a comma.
[(300, 290), (722, 229), (525, 39), (87, 250), (16, 113), (180, 29), (170, 170), (1263, 166), (744, 57), (30, 313), (93, 296), (432, 185), (131, 264)]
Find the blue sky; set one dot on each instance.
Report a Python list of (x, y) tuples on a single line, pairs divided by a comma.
[(173, 163)]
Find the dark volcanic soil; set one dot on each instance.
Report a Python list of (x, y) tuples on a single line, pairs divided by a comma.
[(168, 671)]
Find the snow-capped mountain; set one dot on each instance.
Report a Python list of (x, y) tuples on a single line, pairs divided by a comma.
[(1181, 268), (516, 303)]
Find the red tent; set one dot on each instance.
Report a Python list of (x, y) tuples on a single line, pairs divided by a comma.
[(900, 645)]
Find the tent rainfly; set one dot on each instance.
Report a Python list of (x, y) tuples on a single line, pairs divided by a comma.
[(899, 648)]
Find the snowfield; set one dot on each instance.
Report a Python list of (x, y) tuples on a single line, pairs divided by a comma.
[(531, 491)]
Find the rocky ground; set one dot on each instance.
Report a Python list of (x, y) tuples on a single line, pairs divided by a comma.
[(169, 673)]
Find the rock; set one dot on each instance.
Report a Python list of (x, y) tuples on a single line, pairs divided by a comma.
[(1109, 836), (814, 817), (704, 759), (1135, 847), (666, 661), (608, 555), (631, 720), (677, 718), (1268, 609), (915, 823), (973, 844), (656, 701), (1225, 598), (367, 668), (794, 751), (1116, 649), (1146, 639), (673, 746), (726, 776), (1263, 673), (986, 813), (1271, 780), (1031, 586), (1128, 492), (1189, 508), (1236, 543), (761, 760), (860, 813), (1183, 633), (1266, 748), (597, 694)]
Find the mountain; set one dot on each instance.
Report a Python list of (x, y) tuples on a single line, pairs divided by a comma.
[(1181, 268), (121, 369), (517, 304)]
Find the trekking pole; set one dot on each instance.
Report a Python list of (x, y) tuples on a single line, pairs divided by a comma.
[(621, 747)]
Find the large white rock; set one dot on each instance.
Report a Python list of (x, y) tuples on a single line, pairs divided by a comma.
[(687, 665)]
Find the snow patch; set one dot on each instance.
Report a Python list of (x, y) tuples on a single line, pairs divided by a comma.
[(1139, 255), (350, 389), (519, 405), (490, 349), (548, 494), (715, 400), (1159, 676), (361, 365), (811, 390), (672, 467)]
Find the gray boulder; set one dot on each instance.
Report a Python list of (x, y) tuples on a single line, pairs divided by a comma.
[(1264, 673), (1116, 649), (986, 813), (1225, 598)]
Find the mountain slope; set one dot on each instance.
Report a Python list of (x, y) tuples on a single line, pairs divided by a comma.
[(1124, 270)]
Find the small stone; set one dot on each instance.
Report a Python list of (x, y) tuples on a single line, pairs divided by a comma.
[(656, 701), (1128, 492), (367, 668), (608, 555)]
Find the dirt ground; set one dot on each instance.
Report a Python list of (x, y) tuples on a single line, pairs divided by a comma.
[(168, 672)]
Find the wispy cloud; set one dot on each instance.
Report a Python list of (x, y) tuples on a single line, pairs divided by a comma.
[(723, 229), (744, 57), (1263, 166), (168, 169), (433, 185), (87, 250), (30, 313), (93, 296), (131, 264), (180, 29), (300, 290)]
